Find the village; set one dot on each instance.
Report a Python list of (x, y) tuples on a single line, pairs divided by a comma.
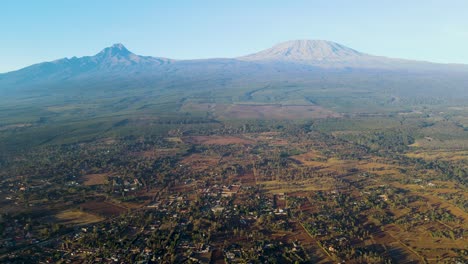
[(186, 200)]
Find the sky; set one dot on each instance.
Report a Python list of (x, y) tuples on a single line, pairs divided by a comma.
[(36, 31)]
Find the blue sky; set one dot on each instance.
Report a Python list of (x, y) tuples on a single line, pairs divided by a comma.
[(35, 31)]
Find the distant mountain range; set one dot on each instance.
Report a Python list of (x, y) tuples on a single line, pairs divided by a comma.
[(319, 53), (311, 63), (113, 59)]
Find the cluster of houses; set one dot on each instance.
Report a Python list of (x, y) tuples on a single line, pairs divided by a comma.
[(125, 185)]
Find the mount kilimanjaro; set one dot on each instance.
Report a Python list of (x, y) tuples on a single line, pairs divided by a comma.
[(311, 64), (319, 53)]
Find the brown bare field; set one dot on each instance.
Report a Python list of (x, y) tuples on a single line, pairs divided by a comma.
[(185, 188), (310, 158), (247, 179), (340, 166), (271, 138), (200, 162), (218, 140), (95, 179), (174, 139), (275, 187), (103, 208), (378, 168), (217, 257), (439, 155), (77, 217), (157, 153)]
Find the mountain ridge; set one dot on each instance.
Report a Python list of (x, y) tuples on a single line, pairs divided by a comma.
[(321, 53), (305, 50), (116, 59), (285, 61)]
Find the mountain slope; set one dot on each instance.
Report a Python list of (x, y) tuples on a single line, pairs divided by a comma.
[(309, 64), (328, 54), (117, 56), (114, 60), (306, 51), (291, 56)]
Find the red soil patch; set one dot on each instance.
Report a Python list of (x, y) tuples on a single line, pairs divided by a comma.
[(95, 179), (247, 179), (157, 153), (200, 162), (102, 208)]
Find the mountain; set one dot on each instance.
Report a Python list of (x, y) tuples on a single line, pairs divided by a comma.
[(309, 64), (328, 54), (118, 57), (114, 60), (306, 51)]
